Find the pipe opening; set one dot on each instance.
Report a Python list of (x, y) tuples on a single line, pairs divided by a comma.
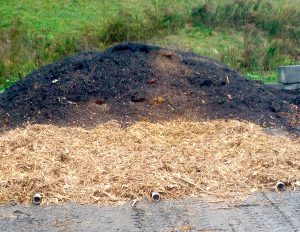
[(156, 196), (280, 186), (37, 199)]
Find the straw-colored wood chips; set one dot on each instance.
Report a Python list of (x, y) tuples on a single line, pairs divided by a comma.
[(111, 165)]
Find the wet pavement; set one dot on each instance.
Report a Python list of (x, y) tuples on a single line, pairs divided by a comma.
[(261, 212)]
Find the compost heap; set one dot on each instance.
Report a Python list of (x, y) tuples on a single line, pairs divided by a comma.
[(107, 128), (133, 82)]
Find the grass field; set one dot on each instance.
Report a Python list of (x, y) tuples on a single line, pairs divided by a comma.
[(251, 36)]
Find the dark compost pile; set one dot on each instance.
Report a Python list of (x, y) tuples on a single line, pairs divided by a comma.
[(131, 82)]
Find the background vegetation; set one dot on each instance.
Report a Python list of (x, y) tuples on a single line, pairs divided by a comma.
[(253, 36)]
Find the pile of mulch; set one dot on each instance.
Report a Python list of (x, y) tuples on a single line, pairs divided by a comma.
[(110, 164), (133, 82)]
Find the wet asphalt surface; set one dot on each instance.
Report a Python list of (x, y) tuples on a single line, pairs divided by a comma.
[(261, 212)]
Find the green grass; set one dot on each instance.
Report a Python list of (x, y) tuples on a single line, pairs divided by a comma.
[(58, 16), (37, 32), (72, 16)]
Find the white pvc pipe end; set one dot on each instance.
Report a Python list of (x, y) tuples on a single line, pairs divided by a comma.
[(155, 196), (280, 186), (37, 199)]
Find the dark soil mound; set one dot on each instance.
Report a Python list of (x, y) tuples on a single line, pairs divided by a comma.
[(296, 101), (131, 82)]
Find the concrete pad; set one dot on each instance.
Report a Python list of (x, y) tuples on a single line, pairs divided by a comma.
[(260, 212), (289, 74), (291, 86)]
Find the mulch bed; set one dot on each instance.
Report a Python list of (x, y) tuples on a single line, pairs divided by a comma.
[(111, 164)]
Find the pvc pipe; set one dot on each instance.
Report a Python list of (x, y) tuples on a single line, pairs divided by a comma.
[(280, 186), (155, 196), (37, 199)]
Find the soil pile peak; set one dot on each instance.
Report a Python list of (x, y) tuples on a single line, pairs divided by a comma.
[(131, 82)]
